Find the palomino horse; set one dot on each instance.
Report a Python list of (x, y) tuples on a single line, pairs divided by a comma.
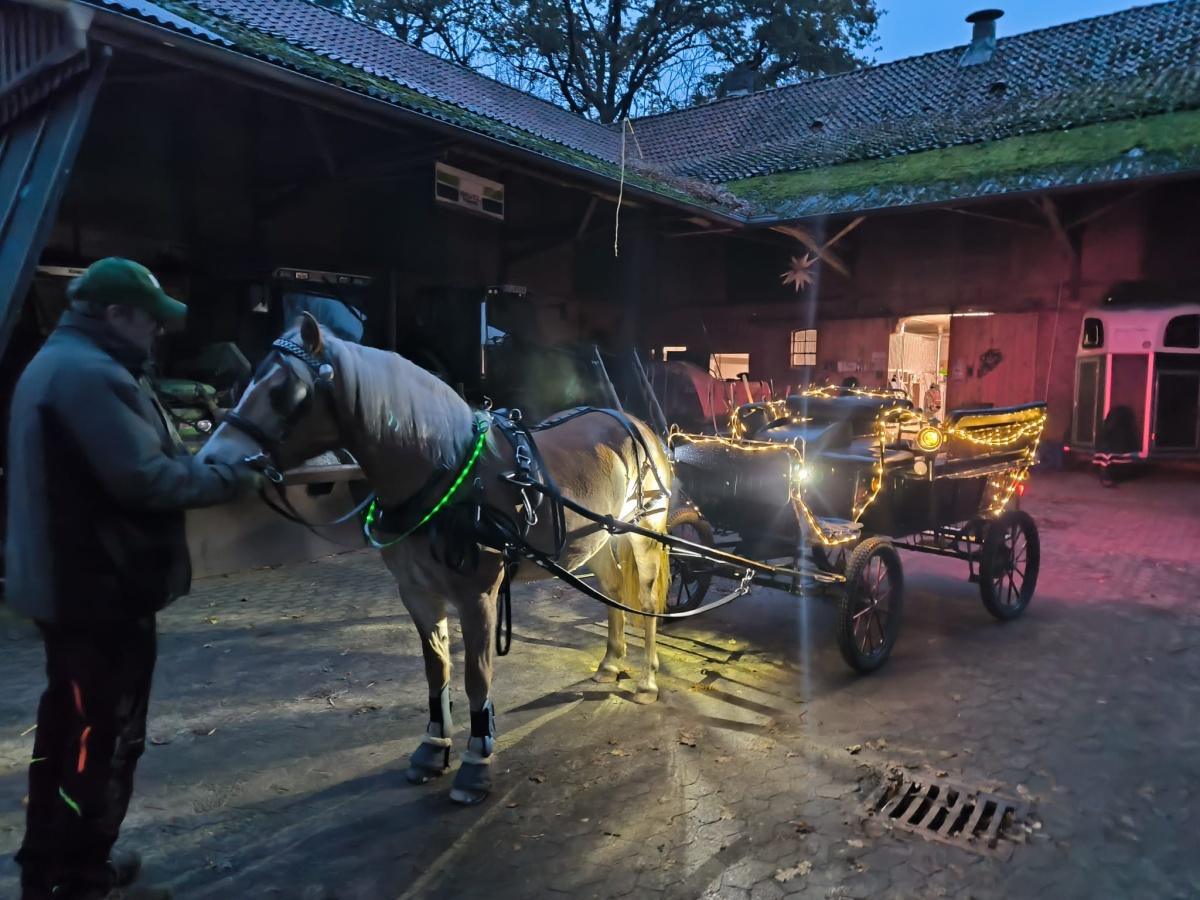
[(317, 393)]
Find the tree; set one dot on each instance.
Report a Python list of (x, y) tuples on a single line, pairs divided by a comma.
[(610, 59)]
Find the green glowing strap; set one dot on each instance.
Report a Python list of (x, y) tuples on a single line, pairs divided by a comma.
[(482, 426), (71, 803)]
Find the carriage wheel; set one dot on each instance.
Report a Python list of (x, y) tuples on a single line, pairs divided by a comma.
[(1008, 565), (690, 578), (871, 603)]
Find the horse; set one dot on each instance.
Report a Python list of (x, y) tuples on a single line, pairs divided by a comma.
[(315, 392)]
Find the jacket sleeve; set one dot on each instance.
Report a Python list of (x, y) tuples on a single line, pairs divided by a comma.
[(102, 415)]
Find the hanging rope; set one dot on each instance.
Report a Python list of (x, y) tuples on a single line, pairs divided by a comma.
[(626, 125)]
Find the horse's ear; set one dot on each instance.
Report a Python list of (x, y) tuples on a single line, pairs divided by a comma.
[(310, 334)]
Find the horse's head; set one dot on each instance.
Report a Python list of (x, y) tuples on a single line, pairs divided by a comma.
[(289, 411)]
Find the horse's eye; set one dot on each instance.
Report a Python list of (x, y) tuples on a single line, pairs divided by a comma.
[(289, 397)]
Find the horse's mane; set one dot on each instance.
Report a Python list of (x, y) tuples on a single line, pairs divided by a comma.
[(397, 404)]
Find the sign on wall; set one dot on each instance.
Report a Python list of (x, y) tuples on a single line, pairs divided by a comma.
[(473, 193)]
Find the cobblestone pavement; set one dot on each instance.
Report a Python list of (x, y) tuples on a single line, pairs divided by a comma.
[(286, 703)]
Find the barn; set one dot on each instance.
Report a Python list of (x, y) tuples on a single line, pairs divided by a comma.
[(944, 222)]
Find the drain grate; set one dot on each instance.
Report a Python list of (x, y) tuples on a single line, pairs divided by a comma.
[(951, 814)]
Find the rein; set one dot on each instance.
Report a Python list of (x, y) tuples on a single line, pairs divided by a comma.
[(489, 526)]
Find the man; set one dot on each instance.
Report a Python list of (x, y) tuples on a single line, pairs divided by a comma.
[(97, 488)]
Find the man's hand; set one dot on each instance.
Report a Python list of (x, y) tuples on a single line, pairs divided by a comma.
[(249, 480)]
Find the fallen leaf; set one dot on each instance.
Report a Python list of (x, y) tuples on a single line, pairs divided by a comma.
[(213, 620), (802, 827), (686, 739), (854, 842), (512, 805), (785, 875), (854, 749), (617, 752), (538, 779)]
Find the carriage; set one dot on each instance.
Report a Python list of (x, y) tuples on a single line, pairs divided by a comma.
[(820, 491)]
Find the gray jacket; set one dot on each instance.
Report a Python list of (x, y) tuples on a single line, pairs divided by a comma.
[(97, 486)]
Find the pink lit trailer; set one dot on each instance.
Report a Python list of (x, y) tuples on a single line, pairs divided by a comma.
[(1148, 359)]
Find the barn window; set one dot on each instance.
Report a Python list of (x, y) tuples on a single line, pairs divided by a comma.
[(804, 347), (1183, 331), (1093, 334)]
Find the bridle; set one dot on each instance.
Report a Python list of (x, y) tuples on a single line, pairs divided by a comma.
[(291, 400)]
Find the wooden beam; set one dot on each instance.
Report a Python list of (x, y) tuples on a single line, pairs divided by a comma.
[(1106, 208), (587, 217), (1050, 211), (1020, 223), (319, 139)]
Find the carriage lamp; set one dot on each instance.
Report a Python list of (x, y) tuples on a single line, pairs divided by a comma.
[(798, 475), (930, 439)]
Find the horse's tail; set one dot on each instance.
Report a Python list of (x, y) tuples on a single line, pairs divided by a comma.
[(635, 556)]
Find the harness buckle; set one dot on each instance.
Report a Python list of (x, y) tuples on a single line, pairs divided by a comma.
[(260, 462)]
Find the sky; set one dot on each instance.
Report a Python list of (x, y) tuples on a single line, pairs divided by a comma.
[(912, 27)]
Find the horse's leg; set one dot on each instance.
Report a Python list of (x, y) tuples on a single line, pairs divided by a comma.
[(431, 759), (608, 574), (473, 781), (650, 585)]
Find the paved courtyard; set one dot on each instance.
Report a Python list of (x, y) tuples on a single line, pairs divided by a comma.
[(287, 701)]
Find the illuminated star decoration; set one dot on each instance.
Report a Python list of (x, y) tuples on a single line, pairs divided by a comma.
[(800, 275)]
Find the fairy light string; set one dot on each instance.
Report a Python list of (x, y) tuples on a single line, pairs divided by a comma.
[(1005, 436)]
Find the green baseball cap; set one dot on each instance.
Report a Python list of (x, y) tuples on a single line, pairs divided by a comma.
[(125, 283)]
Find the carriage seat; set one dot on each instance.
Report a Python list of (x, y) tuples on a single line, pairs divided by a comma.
[(860, 412), (814, 437)]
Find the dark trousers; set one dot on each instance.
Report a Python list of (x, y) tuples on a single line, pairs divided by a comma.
[(91, 730)]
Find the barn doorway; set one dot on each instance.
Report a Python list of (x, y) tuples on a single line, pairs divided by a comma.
[(918, 360)]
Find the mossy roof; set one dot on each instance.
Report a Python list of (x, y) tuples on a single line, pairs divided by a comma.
[(1109, 151)]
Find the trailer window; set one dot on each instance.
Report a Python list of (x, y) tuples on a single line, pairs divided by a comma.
[(1093, 334), (1183, 331)]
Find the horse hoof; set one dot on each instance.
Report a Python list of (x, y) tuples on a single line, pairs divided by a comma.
[(472, 784), (417, 775), (427, 763), (606, 676), (467, 798), (645, 695)]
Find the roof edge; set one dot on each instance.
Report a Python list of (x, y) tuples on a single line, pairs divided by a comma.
[(141, 34)]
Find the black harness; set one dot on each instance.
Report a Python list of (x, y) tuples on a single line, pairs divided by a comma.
[(291, 400), (458, 531)]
